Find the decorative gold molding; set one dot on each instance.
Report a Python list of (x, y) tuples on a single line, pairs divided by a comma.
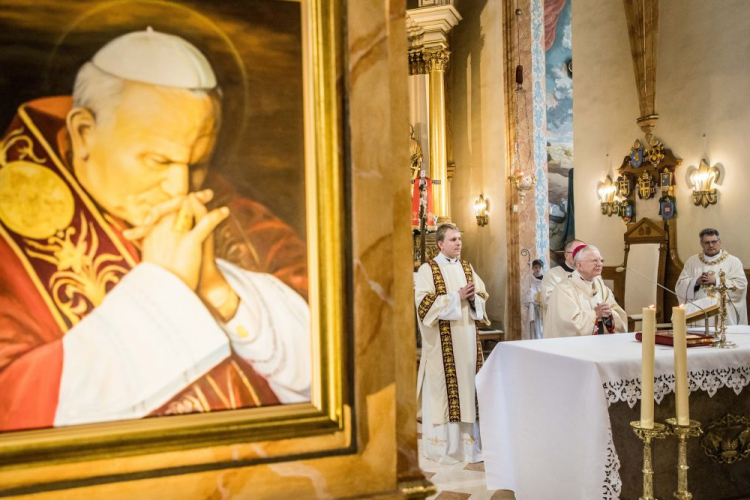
[(643, 27), (417, 63), (727, 439), (436, 60), (416, 489)]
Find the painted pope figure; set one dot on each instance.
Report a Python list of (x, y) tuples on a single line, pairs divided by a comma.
[(134, 282)]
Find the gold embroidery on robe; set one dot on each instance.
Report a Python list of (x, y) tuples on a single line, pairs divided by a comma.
[(446, 344)]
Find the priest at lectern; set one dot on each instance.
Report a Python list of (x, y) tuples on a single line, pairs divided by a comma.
[(702, 271)]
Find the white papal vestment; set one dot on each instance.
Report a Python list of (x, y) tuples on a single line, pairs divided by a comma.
[(731, 265), (451, 356), (571, 309)]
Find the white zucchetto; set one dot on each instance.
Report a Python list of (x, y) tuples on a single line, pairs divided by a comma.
[(157, 59)]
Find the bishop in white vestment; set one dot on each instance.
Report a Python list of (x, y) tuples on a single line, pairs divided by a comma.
[(702, 270), (582, 304), (450, 299), (555, 275)]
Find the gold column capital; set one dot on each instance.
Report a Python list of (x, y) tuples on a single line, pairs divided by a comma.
[(436, 60), (417, 63)]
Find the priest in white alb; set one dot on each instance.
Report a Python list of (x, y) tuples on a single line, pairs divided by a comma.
[(450, 299), (702, 270), (555, 275), (582, 304)]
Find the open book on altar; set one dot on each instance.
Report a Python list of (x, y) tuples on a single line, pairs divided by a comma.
[(693, 313), (666, 337)]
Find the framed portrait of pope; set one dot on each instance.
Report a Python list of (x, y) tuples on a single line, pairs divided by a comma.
[(170, 226)]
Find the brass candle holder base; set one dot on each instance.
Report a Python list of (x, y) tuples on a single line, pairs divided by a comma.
[(660, 431), (723, 343), (683, 432)]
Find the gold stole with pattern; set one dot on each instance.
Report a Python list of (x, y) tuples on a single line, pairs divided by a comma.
[(446, 341)]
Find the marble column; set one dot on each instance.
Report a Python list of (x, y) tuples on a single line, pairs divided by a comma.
[(528, 215)]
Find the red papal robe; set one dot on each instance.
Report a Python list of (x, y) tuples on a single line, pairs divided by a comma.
[(89, 333)]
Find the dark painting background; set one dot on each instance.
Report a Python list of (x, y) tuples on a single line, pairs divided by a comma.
[(254, 46)]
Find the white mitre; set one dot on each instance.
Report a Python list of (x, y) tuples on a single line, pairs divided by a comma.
[(157, 59)]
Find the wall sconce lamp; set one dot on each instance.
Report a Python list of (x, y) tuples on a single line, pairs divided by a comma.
[(482, 210), (702, 179), (606, 191)]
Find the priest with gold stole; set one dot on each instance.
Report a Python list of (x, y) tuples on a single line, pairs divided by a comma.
[(702, 271), (123, 292), (581, 304), (451, 303)]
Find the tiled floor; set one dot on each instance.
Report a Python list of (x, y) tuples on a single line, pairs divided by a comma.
[(460, 482)]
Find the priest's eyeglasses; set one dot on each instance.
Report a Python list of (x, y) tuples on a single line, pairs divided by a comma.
[(595, 261), (710, 243)]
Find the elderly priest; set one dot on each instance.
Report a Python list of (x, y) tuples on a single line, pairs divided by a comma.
[(555, 275), (581, 304), (702, 270)]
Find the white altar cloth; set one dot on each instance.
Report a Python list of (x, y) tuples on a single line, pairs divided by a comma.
[(543, 407)]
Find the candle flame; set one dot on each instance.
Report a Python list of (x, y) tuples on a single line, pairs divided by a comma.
[(652, 306), (682, 306)]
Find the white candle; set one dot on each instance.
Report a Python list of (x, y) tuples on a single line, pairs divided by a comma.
[(680, 366), (647, 367)]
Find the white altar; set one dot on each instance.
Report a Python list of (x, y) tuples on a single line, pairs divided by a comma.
[(543, 407)]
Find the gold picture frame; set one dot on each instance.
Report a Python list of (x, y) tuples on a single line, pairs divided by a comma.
[(49, 459)]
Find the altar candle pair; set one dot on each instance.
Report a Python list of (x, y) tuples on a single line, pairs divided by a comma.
[(679, 327)]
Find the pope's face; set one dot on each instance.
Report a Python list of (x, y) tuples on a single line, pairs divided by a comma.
[(451, 245), (591, 265), (144, 153)]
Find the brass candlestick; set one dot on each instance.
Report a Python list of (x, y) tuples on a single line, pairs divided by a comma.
[(722, 290), (683, 432), (660, 431)]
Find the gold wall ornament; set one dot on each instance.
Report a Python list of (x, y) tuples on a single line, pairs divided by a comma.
[(655, 152), (727, 439), (702, 179), (523, 181), (482, 210), (606, 191), (648, 168), (646, 186), (624, 186)]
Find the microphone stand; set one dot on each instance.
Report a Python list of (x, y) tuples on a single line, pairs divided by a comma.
[(705, 314)]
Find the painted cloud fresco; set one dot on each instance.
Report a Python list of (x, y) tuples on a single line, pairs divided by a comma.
[(559, 113)]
